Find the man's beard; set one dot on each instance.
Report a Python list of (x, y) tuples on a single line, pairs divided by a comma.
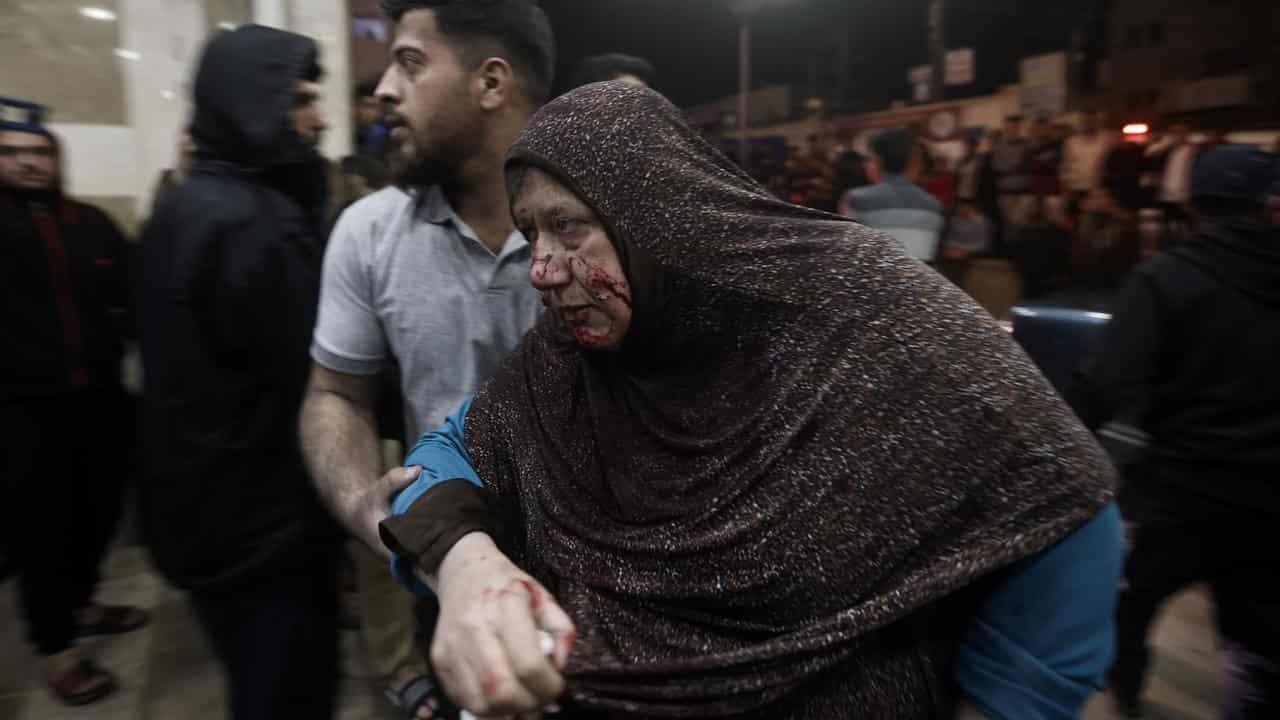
[(418, 170)]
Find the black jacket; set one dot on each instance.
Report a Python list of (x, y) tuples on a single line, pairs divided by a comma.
[(43, 354), (230, 285), (1192, 354)]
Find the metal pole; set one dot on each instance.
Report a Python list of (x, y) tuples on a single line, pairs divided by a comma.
[(744, 87), (937, 49)]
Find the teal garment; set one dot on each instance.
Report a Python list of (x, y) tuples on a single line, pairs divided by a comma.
[(1039, 646), (1044, 639), (442, 456)]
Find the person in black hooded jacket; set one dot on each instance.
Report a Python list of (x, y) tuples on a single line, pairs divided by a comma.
[(63, 320), (230, 284), (1192, 355)]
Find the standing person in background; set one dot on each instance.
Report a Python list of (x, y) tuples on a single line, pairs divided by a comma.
[(969, 233), (1122, 174), (1191, 354), (66, 421), (1043, 166), (938, 177), (850, 168), (1082, 157), (432, 277), (1008, 161), (614, 66), (371, 132), (977, 187), (230, 282), (894, 205), (359, 176), (1176, 157), (815, 175)]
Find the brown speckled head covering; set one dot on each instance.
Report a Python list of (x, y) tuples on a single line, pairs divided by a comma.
[(756, 506)]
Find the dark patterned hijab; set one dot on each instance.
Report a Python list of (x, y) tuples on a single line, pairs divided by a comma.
[(807, 440)]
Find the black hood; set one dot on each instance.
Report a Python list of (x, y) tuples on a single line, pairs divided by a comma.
[(1243, 253), (243, 95)]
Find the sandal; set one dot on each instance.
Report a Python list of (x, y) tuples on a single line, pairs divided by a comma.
[(419, 692), (81, 674), (114, 621)]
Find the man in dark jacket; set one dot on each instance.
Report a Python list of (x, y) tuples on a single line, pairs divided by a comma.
[(1191, 356), (66, 421), (230, 283)]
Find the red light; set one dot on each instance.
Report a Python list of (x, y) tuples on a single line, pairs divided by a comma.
[(1136, 129)]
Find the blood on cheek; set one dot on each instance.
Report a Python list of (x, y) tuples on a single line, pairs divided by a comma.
[(601, 285), (598, 281)]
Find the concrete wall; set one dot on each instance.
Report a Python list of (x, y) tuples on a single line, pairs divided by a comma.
[(119, 88)]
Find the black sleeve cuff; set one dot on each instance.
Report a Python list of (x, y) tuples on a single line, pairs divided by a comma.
[(438, 520)]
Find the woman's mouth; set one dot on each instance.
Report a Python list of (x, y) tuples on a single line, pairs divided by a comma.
[(576, 314)]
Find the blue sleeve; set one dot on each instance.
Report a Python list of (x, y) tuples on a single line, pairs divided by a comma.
[(442, 454), (1044, 639)]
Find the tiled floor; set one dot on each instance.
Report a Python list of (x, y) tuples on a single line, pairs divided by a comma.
[(168, 673)]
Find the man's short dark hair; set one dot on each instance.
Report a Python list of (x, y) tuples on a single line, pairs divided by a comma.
[(893, 148), (609, 66), (519, 27)]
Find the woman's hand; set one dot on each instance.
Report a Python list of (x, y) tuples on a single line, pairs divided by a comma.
[(488, 653)]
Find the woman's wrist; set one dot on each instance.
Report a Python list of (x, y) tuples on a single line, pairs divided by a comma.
[(470, 550), (445, 514)]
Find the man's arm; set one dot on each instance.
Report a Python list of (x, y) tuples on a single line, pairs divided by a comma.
[(341, 448), (338, 427)]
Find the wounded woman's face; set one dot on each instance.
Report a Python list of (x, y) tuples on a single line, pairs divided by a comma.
[(574, 264)]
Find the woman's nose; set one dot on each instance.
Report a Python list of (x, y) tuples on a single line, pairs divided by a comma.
[(548, 271)]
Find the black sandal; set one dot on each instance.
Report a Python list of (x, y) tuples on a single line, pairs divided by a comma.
[(421, 691), (80, 674)]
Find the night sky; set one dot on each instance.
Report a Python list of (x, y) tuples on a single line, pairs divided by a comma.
[(694, 43)]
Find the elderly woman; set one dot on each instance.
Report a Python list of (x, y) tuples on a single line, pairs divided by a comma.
[(753, 462)]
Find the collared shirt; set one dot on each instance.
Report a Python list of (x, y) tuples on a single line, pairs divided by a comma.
[(406, 278), (901, 210)]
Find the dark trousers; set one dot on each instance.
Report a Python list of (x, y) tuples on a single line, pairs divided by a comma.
[(1178, 538), (277, 637), (65, 458)]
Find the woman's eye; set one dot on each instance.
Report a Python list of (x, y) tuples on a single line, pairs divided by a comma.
[(566, 224)]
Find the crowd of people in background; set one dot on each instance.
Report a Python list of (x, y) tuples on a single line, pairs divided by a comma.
[(301, 320), (1074, 205)]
